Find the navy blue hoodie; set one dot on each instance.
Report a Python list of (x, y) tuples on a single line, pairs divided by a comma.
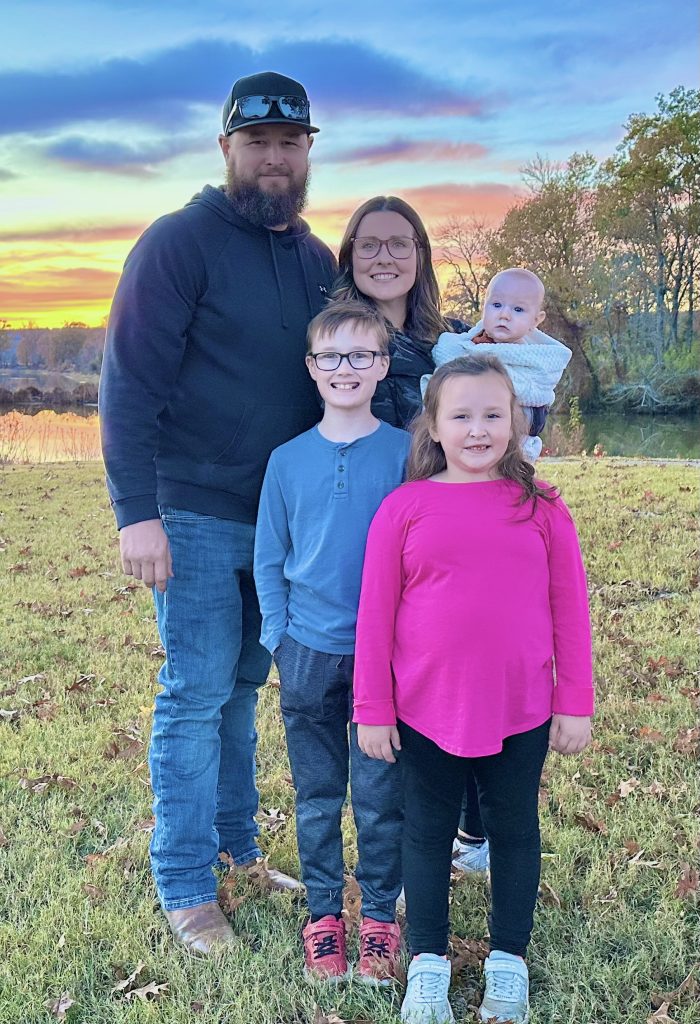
[(203, 371)]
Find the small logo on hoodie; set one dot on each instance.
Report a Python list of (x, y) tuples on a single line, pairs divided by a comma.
[(323, 290)]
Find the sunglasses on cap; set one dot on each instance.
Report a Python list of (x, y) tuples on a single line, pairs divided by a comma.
[(294, 108)]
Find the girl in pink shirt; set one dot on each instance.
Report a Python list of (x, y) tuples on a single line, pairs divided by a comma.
[(473, 651)]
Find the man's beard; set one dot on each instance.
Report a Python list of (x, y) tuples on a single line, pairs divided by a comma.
[(266, 209)]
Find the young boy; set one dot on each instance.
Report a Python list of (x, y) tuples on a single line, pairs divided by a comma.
[(509, 330), (319, 495)]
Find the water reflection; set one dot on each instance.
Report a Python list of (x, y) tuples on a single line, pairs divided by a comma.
[(31, 434)]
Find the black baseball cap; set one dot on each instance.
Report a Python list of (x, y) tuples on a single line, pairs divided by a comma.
[(266, 97)]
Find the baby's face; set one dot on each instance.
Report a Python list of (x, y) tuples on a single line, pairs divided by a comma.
[(513, 307)]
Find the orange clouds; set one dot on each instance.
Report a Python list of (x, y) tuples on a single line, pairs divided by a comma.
[(64, 273), (489, 201), (435, 204), (59, 274)]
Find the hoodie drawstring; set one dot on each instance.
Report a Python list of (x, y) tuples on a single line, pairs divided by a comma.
[(306, 279), (278, 279)]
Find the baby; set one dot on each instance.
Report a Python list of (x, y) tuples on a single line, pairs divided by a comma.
[(509, 330)]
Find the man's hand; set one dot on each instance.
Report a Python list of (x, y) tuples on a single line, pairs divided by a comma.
[(569, 734), (146, 553), (377, 741)]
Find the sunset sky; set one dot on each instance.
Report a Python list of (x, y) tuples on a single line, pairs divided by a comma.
[(109, 112)]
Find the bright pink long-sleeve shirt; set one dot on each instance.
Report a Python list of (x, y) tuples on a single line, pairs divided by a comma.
[(468, 601)]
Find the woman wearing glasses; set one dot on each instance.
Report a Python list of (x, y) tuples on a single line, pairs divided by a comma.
[(385, 260)]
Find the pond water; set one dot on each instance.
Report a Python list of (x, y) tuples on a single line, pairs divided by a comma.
[(660, 437)]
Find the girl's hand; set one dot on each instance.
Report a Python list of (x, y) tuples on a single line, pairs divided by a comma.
[(377, 741), (569, 734)]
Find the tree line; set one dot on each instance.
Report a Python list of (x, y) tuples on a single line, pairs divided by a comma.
[(618, 248), (73, 347), (616, 243)]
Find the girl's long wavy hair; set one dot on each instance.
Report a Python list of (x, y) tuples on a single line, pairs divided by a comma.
[(423, 317), (427, 456)]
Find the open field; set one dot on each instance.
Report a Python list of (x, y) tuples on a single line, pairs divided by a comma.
[(617, 935)]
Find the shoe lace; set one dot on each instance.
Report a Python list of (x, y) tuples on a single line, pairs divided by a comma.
[(430, 985), (505, 985), (376, 945), (326, 945)]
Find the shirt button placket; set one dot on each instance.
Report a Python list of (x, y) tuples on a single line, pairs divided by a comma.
[(340, 477)]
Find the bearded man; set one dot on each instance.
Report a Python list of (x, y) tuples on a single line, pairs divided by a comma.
[(203, 376)]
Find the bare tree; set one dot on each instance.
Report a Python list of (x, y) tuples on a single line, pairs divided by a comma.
[(464, 246)]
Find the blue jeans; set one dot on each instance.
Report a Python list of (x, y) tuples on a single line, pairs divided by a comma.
[(316, 700), (202, 754)]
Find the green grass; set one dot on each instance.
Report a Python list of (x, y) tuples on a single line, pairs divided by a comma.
[(78, 910)]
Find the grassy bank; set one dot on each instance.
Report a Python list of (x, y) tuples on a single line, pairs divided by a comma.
[(618, 928)]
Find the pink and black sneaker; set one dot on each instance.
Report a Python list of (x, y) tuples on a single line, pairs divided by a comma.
[(325, 958), (379, 952)]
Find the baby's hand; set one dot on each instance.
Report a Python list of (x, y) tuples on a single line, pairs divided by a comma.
[(569, 734), (482, 338), (377, 741)]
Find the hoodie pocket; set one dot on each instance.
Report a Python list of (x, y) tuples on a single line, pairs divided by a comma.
[(227, 454)]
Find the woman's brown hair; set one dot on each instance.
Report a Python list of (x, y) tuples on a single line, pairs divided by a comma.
[(427, 458), (424, 320)]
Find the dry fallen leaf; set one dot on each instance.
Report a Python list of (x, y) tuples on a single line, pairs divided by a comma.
[(147, 825), (321, 1018), (272, 820), (93, 893), (126, 983), (116, 753), (352, 903), (229, 901), (466, 952), (690, 986), (650, 735), (689, 881), (150, 990), (625, 788), (590, 823), (549, 896), (687, 741), (81, 684), (257, 874), (59, 1007), (43, 782), (661, 1016)]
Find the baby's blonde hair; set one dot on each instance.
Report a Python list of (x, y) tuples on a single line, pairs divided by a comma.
[(523, 272)]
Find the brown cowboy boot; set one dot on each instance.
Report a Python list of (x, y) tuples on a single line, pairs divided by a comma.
[(200, 928)]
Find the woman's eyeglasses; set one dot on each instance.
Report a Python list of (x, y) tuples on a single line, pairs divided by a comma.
[(361, 359), (399, 247)]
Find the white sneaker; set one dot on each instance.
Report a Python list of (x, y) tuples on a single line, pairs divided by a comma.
[(426, 999), (466, 857), (506, 993)]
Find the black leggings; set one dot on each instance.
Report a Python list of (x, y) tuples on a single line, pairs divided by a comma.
[(508, 785)]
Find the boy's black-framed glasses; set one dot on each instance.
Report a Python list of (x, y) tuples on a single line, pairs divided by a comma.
[(399, 247), (360, 359)]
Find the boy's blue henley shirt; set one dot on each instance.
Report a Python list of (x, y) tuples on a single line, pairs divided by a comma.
[(318, 500)]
